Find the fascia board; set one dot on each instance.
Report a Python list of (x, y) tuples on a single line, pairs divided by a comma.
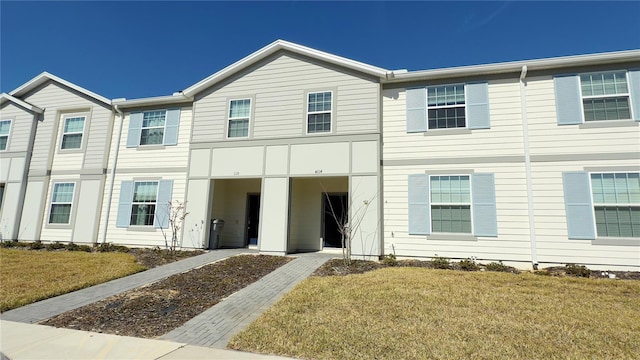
[(45, 76), (159, 100), (273, 48), (4, 97), (516, 66)]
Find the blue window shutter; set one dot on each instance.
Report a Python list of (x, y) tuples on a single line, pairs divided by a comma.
[(477, 99), (568, 99), (578, 205), (416, 110), (634, 85), (165, 189), (124, 205), (419, 208), (171, 127), (135, 127), (485, 219)]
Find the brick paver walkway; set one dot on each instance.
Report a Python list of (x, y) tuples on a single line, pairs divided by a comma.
[(216, 326), (45, 309)]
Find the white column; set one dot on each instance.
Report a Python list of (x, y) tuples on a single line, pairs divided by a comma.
[(274, 216), (364, 217)]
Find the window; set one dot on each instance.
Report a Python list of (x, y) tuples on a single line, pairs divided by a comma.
[(605, 96), (319, 112), (5, 126), (450, 204), (446, 107), (61, 201), (152, 132), (143, 208), (616, 202), (239, 114), (72, 132)]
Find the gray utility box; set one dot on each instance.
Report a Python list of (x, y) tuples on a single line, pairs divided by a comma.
[(214, 233)]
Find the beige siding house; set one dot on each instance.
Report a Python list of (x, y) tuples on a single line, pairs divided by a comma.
[(533, 163)]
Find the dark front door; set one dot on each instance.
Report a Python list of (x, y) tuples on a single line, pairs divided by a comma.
[(253, 217), (335, 217)]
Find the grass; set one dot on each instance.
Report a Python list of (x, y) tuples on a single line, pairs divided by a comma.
[(30, 276), (413, 313)]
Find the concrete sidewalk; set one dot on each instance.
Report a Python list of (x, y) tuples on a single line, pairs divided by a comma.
[(28, 341)]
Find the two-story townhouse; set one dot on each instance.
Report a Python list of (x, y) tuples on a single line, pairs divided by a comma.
[(18, 121), (532, 161), (66, 174), (146, 174), (285, 148)]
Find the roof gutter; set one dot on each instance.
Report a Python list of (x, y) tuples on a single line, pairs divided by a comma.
[(112, 175), (176, 98)]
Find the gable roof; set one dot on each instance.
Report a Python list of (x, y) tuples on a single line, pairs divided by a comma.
[(45, 76), (4, 97), (289, 46)]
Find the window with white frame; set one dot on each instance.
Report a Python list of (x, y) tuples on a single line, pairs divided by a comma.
[(319, 105), (450, 204), (446, 107), (239, 115), (605, 96), (5, 127), (61, 202), (72, 132), (143, 207), (616, 202), (152, 132)]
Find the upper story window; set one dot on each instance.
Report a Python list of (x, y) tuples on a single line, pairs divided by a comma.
[(72, 132), (605, 96), (143, 207), (446, 107), (61, 202), (450, 204), (5, 127), (616, 202), (319, 105), (239, 115), (152, 132)]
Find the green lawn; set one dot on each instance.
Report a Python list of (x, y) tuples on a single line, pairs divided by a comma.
[(28, 276), (415, 313)]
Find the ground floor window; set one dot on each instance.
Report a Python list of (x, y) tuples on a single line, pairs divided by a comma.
[(616, 202), (450, 204), (143, 208), (61, 202)]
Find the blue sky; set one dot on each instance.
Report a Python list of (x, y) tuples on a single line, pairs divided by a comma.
[(142, 49)]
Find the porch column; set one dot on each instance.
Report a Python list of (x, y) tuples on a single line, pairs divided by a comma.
[(196, 224), (274, 216), (364, 217)]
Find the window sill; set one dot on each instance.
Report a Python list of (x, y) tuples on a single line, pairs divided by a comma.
[(59, 226), (599, 124), (452, 236), (616, 241), (71, 151), (150, 147), (436, 132), (141, 228)]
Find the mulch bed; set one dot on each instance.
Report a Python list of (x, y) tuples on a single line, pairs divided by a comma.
[(156, 309)]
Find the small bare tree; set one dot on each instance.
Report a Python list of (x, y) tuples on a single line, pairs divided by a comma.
[(177, 213), (348, 227)]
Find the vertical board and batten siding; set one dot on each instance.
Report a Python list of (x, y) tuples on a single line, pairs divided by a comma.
[(149, 236), (22, 123), (506, 129), (546, 137), (278, 88), (57, 100), (553, 243), (512, 242)]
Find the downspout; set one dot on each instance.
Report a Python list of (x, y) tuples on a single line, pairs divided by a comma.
[(527, 166), (113, 176)]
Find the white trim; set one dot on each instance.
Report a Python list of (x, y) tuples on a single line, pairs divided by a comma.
[(306, 120), (8, 135), (51, 203), (63, 133), (45, 76), (593, 203), (431, 203), (6, 97), (464, 89), (164, 127), (155, 202), (605, 96), (275, 47), (229, 118)]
